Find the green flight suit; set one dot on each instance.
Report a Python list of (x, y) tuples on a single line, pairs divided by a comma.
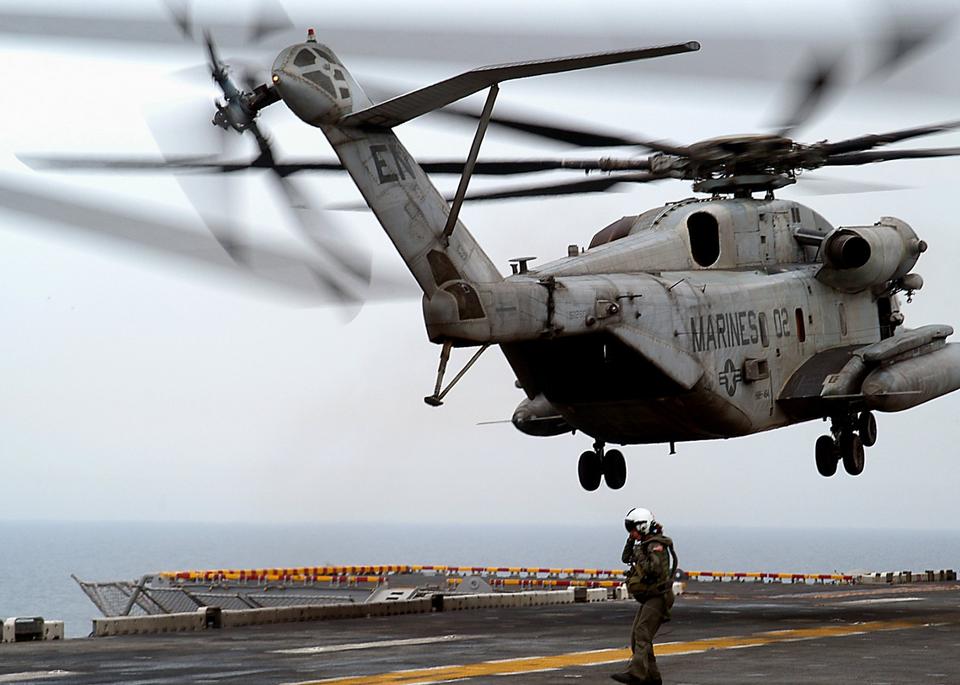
[(650, 581)]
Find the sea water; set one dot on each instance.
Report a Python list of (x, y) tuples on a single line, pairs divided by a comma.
[(38, 558)]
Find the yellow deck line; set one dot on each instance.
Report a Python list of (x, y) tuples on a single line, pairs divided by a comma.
[(518, 666)]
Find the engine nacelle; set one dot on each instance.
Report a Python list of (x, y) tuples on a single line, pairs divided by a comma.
[(862, 257)]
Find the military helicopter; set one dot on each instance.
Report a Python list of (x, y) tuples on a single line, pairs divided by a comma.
[(706, 318)]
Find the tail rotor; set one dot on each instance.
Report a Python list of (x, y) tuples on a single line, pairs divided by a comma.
[(343, 269)]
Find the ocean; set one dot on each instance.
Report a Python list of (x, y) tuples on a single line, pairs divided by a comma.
[(37, 558)]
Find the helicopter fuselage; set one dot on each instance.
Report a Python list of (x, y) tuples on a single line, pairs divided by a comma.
[(704, 318), (635, 341)]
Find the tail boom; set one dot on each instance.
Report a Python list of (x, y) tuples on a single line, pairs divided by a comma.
[(411, 210), (461, 285), (319, 90)]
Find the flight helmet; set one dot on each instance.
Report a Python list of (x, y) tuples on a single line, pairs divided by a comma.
[(640, 520)]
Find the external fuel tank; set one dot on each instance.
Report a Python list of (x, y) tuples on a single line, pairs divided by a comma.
[(907, 383)]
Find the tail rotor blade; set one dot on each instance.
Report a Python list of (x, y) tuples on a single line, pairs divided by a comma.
[(218, 70), (211, 196), (346, 270)]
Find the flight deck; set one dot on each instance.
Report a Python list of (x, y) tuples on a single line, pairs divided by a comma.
[(720, 632)]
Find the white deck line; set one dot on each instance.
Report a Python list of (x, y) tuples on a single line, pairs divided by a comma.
[(883, 600), (376, 644), (24, 676)]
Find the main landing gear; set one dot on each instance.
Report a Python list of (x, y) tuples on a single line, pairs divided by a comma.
[(850, 434), (597, 464)]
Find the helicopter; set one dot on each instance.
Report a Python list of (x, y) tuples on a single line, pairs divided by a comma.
[(707, 318)]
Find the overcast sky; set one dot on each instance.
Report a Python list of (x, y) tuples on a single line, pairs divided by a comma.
[(136, 388)]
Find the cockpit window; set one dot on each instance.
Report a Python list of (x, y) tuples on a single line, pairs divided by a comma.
[(326, 55), (304, 58), (321, 80), (704, 234)]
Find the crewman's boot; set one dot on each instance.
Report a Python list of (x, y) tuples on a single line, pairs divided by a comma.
[(628, 678)]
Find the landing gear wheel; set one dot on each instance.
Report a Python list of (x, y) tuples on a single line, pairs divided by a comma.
[(589, 470), (614, 469), (827, 457), (851, 449), (867, 427)]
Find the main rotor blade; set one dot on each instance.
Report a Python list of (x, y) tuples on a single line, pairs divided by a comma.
[(179, 11), (820, 185), (581, 137), (596, 185), (160, 236), (506, 167), (532, 123), (209, 163), (175, 28), (270, 18), (854, 158), (909, 32), (173, 164), (817, 80), (322, 235), (873, 140)]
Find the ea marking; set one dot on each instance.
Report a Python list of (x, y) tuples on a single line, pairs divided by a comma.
[(736, 329), (391, 163)]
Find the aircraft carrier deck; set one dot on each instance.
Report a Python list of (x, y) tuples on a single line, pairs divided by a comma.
[(730, 632)]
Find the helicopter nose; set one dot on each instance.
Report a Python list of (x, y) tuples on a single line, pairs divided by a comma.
[(309, 102), (307, 87)]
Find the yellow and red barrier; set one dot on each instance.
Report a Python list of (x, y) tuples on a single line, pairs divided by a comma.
[(771, 577), (521, 576)]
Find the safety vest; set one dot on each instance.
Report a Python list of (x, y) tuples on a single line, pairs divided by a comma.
[(645, 580)]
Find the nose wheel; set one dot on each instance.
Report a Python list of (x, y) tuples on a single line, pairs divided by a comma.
[(600, 465), (850, 435)]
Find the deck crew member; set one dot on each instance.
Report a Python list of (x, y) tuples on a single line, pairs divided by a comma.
[(653, 563)]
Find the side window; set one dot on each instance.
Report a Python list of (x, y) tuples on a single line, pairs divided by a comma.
[(704, 232), (801, 330), (841, 310), (764, 338)]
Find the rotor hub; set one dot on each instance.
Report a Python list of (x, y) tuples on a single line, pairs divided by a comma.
[(743, 183)]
